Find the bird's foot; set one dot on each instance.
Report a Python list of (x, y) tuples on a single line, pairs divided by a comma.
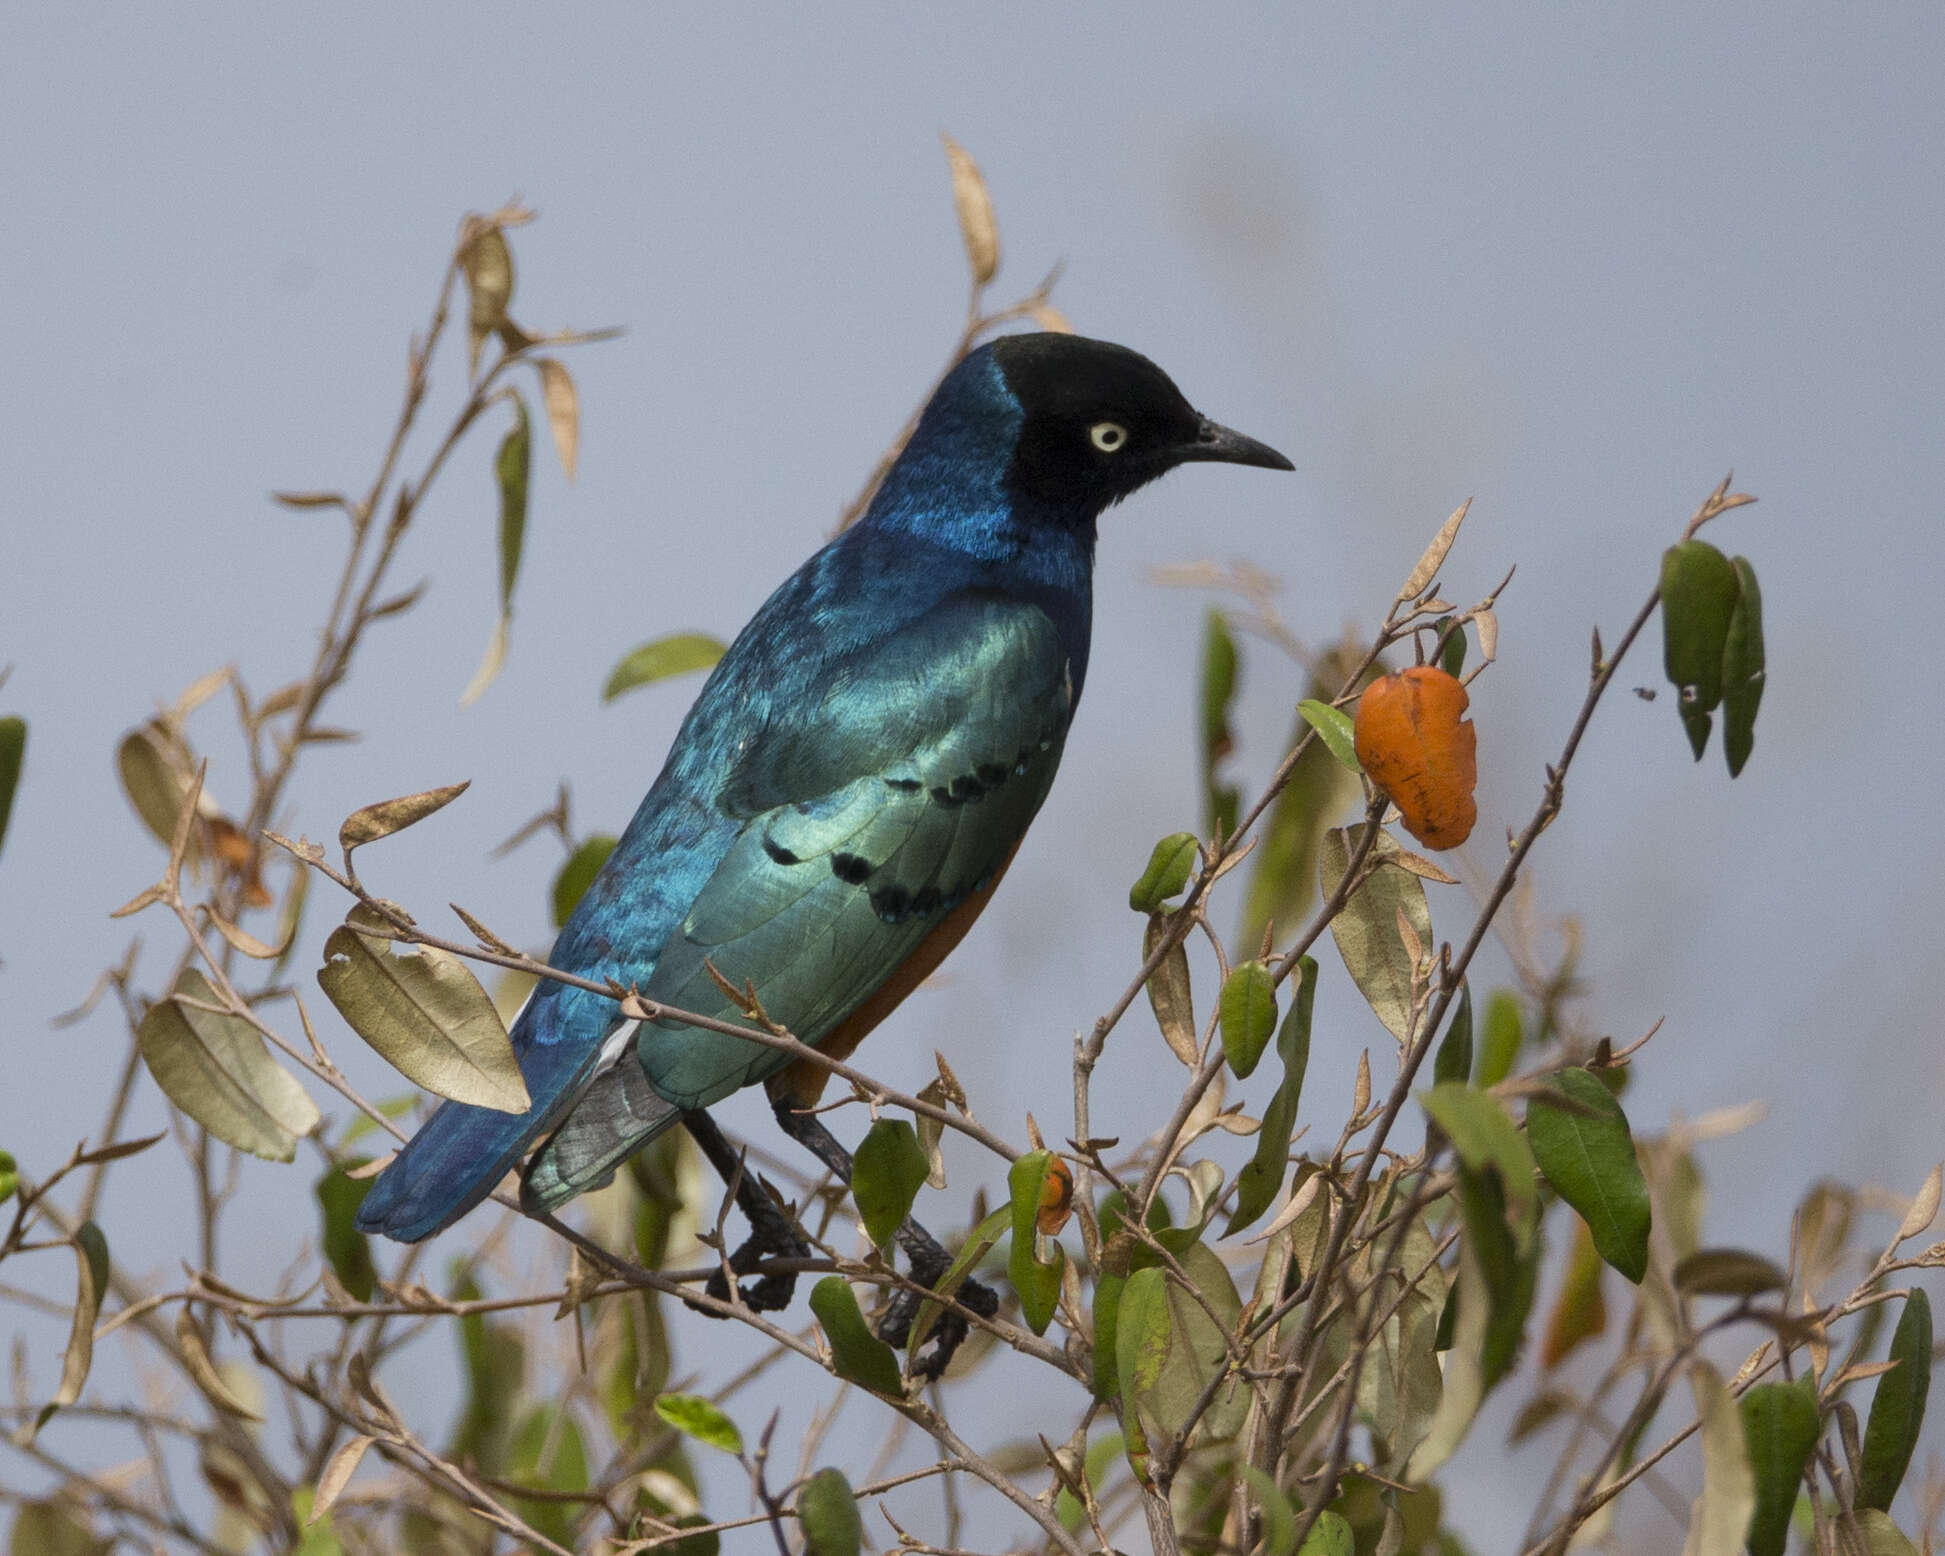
[(947, 1331), (772, 1237), (774, 1233)]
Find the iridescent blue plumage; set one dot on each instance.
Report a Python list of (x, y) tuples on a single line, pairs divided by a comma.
[(853, 778)]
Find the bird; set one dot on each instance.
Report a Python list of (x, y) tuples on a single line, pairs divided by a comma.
[(851, 784)]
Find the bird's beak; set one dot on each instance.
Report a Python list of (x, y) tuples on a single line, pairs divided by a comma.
[(1216, 442)]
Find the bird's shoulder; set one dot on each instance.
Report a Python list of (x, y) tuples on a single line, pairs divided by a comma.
[(913, 687)]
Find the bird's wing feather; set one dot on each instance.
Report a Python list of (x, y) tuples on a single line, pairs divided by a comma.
[(870, 809), (871, 812)]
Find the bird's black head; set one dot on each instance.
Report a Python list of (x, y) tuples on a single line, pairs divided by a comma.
[(1099, 421)]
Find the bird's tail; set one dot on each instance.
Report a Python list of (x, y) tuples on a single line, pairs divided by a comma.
[(462, 1152), (611, 1120)]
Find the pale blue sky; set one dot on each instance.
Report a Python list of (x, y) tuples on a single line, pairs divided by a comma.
[(1574, 262)]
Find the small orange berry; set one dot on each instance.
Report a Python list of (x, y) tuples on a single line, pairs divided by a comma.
[(1416, 745)]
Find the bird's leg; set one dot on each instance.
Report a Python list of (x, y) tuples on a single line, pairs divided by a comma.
[(928, 1259), (772, 1232)]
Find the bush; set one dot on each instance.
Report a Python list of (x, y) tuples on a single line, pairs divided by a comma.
[(1278, 1358)]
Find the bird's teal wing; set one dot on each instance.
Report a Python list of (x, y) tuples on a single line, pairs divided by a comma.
[(871, 817), (870, 813)]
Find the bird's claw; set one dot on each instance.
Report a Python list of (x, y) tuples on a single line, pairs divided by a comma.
[(771, 1293), (946, 1334)]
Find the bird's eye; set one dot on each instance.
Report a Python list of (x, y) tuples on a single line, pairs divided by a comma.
[(1108, 436)]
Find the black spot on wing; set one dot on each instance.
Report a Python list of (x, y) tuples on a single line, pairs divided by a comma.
[(904, 785), (853, 869), (778, 852)]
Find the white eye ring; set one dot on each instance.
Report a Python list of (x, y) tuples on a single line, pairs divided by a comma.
[(1110, 437)]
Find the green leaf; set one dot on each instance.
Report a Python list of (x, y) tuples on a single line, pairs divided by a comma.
[(9, 1176), (317, 1536), (982, 1240), (1484, 1317), (1742, 669), (1038, 1284), (697, 1417), (1779, 1428), (1587, 1154), (1485, 1138), (1452, 658), (1722, 1512), (1330, 1535), (1219, 664), (510, 468), (1166, 1346), (1283, 870), (343, 1245), (679, 653), (1262, 1175), (1248, 1014), (857, 1354), (361, 1125), (217, 1070), (93, 1247), (1502, 1239), (828, 1514), (1108, 1288), (1453, 1061), (548, 1454), (1726, 1272), (1898, 1406), (1366, 928), (1335, 728), (1141, 1332), (13, 747), (1197, 1350), (423, 1010), (886, 1174), (494, 1358), (1698, 596), (1881, 1536), (578, 874), (1167, 873), (1279, 1518), (1499, 1044), (55, 1528)]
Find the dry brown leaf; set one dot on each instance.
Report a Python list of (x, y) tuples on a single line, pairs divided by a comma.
[(1170, 995), (338, 1471), (1924, 1207), (1434, 557), (975, 208), (245, 942), (195, 1356), (563, 410), (1420, 866), (369, 823)]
